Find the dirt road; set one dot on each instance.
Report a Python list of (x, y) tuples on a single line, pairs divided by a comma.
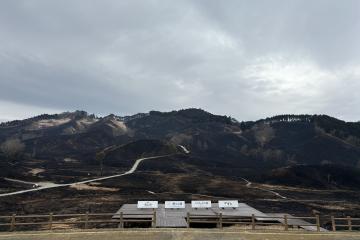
[(54, 185)]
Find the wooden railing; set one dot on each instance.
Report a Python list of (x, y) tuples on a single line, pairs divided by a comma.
[(254, 221), (345, 223), (47, 221), (102, 220)]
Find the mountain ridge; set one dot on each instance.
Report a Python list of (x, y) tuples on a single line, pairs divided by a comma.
[(80, 113), (219, 144)]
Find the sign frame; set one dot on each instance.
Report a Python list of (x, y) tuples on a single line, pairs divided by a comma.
[(174, 204), (228, 203), (147, 204), (201, 204)]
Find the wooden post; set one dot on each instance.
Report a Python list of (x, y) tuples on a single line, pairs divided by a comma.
[(50, 220), (349, 223), (12, 226), (317, 222), (154, 219), (253, 222), (286, 226), (188, 219), (121, 221), (220, 221), (87, 220), (333, 223)]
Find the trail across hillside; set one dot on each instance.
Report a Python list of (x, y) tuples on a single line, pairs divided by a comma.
[(248, 184), (48, 185), (19, 181), (184, 149)]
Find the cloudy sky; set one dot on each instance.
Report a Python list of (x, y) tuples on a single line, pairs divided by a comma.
[(248, 59)]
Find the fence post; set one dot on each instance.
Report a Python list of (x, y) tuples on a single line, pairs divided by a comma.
[(50, 220), (154, 219), (188, 219), (12, 226), (87, 220), (317, 223), (349, 223), (121, 223), (220, 221), (333, 223), (253, 222), (286, 226)]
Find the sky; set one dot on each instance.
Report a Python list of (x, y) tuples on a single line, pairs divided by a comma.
[(247, 59)]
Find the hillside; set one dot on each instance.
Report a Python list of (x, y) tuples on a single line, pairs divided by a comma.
[(308, 159), (219, 144)]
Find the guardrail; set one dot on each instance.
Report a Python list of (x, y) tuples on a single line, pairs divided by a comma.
[(47, 221)]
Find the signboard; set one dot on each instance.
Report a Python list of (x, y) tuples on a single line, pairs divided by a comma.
[(201, 204), (228, 204), (147, 204), (174, 204)]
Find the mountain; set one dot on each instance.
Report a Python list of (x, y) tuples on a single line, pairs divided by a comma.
[(282, 149)]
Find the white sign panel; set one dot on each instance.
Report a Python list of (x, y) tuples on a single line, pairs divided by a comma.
[(228, 204), (174, 204), (147, 204), (201, 204)]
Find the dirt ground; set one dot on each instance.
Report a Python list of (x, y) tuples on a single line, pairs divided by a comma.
[(109, 195), (178, 234)]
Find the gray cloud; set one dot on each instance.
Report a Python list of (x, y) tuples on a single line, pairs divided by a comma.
[(248, 59)]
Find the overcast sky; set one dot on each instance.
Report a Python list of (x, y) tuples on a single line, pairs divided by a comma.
[(248, 59)]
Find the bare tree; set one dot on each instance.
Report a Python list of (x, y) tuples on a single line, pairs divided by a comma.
[(263, 134), (12, 148)]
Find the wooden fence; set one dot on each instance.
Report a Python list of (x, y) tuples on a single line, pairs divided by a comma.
[(285, 221), (345, 223), (101, 220), (47, 221)]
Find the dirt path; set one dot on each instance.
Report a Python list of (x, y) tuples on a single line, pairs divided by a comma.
[(184, 149), (20, 181), (248, 184), (48, 185), (33, 184)]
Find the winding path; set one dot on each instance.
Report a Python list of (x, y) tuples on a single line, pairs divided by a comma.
[(19, 181), (48, 185), (184, 149), (248, 184)]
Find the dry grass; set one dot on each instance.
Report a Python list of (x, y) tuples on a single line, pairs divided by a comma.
[(36, 171), (93, 188)]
